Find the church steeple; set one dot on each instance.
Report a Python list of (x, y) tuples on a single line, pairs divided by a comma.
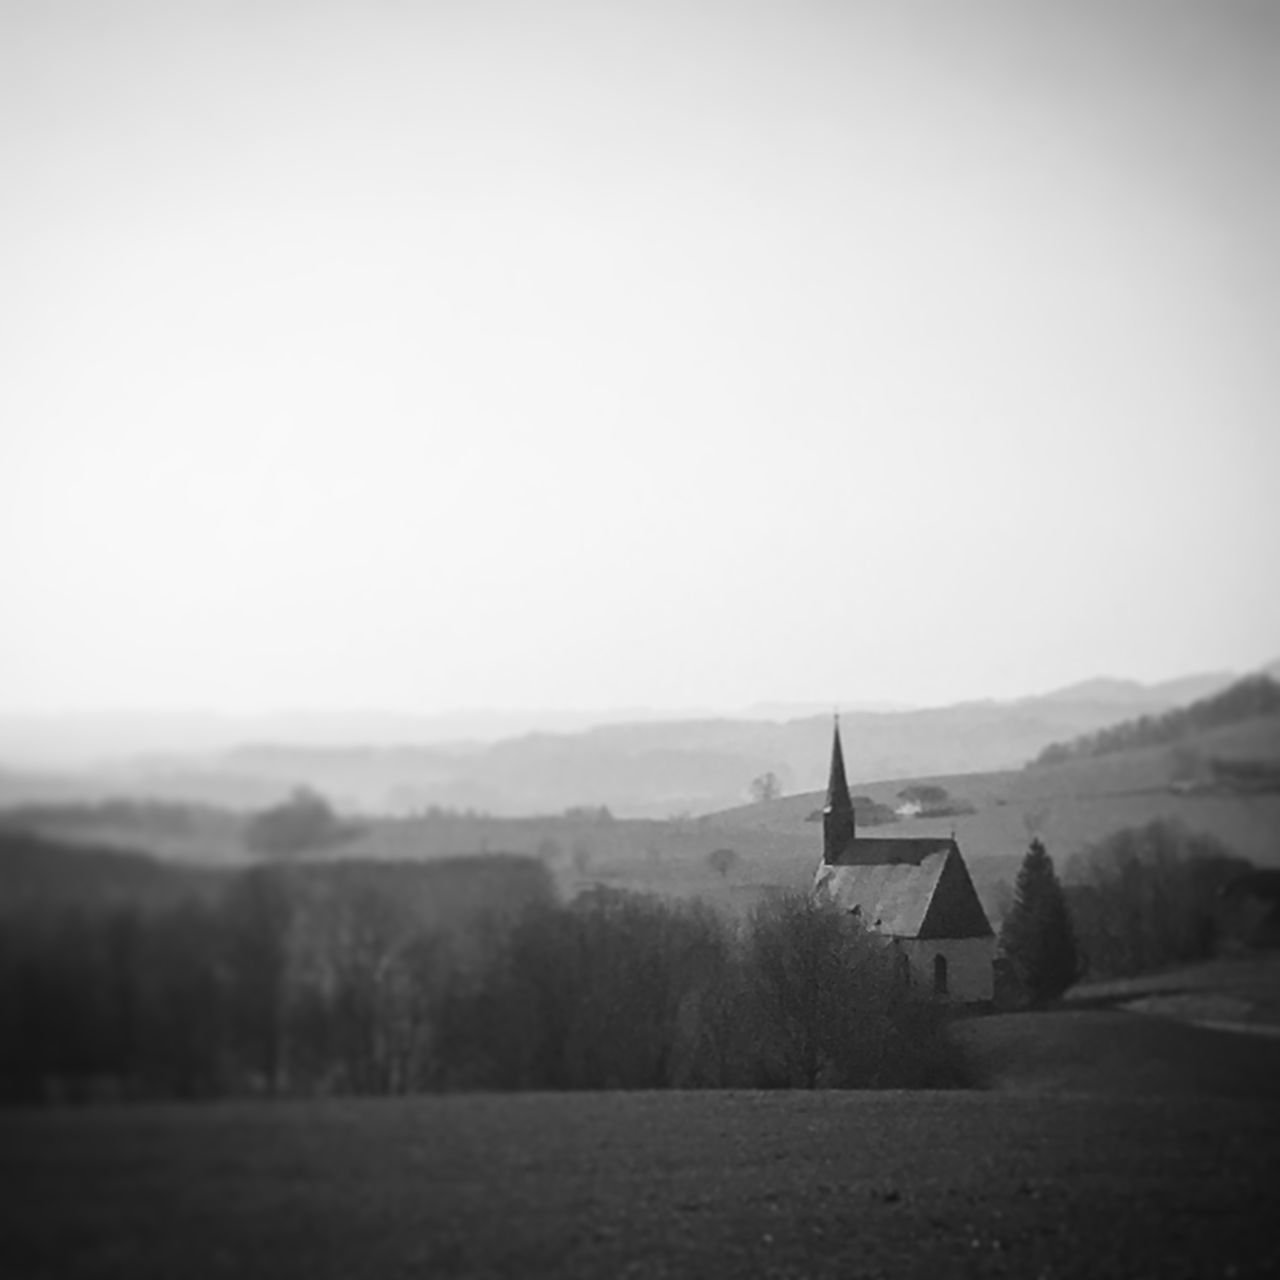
[(837, 817)]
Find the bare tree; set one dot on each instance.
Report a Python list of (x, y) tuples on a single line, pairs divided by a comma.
[(768, 786), (824, 995)]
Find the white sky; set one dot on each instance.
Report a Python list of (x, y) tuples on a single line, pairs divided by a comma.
[(452, 354)]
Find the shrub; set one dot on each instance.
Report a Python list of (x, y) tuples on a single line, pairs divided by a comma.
[(303, 822), (828, 1004), (766, 787)]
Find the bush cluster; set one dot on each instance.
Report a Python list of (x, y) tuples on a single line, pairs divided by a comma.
[(300, 824)]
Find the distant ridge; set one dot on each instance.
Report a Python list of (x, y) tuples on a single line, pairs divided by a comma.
[(1133, 693), (647, 767), (1248, 699)]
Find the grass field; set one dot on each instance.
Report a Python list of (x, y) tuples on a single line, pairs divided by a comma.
[(1120, 1054), (1240, 988), (705, 1185)]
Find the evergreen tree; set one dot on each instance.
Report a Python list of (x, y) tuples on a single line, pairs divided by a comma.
[(1037, 937)]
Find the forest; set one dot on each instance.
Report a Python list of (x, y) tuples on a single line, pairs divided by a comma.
[(457, 975), (1245, 700)]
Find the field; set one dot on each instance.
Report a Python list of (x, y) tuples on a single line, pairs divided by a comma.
[(776, 844), (707, 1185), (1069, 806), (1104, 1052), (1237, 990)]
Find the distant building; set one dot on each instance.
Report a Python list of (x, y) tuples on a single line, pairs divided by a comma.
[(915, 892)]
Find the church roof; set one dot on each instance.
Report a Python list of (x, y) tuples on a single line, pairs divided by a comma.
[(891, 850), (905, 888)]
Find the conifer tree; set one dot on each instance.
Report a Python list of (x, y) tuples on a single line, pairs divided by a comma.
[(1037, 937)]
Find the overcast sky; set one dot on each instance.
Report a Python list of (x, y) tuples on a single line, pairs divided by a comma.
[(453, 354)]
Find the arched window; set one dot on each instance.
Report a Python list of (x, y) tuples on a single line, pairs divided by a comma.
[(939, 975)]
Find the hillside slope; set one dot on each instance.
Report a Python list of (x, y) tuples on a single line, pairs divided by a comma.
[(643, 769), (1254, 698), (776, 845), (1069, 806)]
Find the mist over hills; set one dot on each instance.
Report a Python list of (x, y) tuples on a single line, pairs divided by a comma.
[(642, 766), (1161, 696), (79, 740)]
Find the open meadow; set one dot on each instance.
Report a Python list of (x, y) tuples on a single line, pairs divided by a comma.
[(643, 1184)]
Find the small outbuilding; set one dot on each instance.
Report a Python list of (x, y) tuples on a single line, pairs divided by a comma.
[(917, 893)]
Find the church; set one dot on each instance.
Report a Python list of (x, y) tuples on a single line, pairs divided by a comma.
[(915, 892)]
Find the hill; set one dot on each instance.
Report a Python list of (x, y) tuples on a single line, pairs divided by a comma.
[(1144, 697), (1069, 805), (639, 769), (775, 844), (1078, 800), (1250, 699)]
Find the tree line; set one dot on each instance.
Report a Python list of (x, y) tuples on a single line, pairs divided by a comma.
[(1142, 899), (1245, 700), (470, 973), (291, 984)]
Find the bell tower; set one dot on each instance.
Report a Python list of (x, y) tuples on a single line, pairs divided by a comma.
[(838, 830)]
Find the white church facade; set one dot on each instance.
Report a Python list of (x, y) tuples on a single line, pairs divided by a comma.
[(915, 892)]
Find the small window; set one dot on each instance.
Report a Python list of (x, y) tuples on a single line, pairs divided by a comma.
[(940, 975)]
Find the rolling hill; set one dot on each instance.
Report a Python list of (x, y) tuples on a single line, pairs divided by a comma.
[(638, 769), (1068, 805), (994, 812), (775, 844)]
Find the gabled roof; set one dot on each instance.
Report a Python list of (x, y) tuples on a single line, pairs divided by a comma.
[(905, 888), (863, 851)]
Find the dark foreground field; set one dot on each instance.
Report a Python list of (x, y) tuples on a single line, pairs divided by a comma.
[(706, 1185)]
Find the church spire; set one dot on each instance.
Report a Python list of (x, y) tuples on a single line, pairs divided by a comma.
[(837, 817)]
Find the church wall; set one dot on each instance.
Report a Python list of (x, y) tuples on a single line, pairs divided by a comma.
[(970, 965)]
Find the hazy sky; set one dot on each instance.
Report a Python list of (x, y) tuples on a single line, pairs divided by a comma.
[(424, 355)]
